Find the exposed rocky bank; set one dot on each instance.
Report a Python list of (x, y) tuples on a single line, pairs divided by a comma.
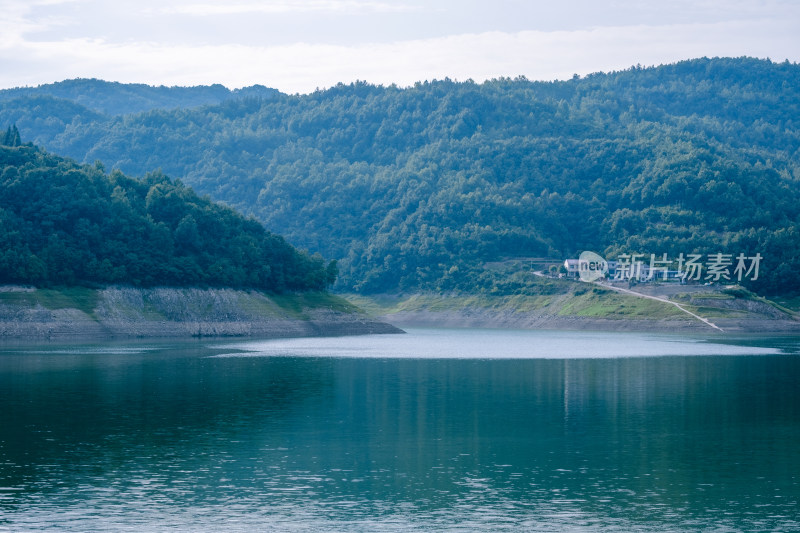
[(119, 312)]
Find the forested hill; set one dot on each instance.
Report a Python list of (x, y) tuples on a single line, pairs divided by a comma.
[(65, 224), (421, 187), (113, 98)]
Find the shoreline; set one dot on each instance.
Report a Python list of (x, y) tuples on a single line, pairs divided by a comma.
[(470, 319), (176, 313), (119, 312), (586, 310)]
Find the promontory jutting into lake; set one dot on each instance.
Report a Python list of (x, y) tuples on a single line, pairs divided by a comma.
[(510, 305)]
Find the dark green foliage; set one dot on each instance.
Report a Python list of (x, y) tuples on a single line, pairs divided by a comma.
[(66, 224), (420, 187), (12, 138)]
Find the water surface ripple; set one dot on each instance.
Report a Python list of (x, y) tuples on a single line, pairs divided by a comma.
[(445, 430)]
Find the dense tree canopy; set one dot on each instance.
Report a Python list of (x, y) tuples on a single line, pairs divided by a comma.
[(420, 187), (62, 224), (113, 98)]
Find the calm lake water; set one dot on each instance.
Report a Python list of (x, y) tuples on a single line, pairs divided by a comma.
[(436, 430)]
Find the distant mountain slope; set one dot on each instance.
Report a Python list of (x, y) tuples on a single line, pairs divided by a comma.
[(65, 224), (420, 187), (113, 98)]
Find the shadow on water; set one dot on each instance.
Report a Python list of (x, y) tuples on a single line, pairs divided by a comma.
[(91, 407)]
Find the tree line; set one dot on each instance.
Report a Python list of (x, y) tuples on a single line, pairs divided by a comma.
[(421, 187), (62, 223)]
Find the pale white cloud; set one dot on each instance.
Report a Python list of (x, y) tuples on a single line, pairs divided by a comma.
[(284, 6), (16, 20), (304, 66)]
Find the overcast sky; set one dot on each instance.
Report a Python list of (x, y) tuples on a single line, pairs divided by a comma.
[(300, 45)]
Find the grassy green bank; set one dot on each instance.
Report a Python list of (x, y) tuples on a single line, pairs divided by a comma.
[(560, 304)]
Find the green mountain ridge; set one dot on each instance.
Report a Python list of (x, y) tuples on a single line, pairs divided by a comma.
[(419, 187), (114, 98), (64, 224)]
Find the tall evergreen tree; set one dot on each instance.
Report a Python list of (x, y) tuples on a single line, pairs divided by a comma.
[(12, 137)]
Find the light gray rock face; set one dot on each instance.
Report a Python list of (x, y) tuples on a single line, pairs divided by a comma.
[(168, 312)]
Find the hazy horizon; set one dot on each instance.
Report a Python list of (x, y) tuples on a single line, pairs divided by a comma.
[(299, 46), (408, 86)]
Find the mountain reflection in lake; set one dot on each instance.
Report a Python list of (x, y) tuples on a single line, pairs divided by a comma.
[(434, 430)]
